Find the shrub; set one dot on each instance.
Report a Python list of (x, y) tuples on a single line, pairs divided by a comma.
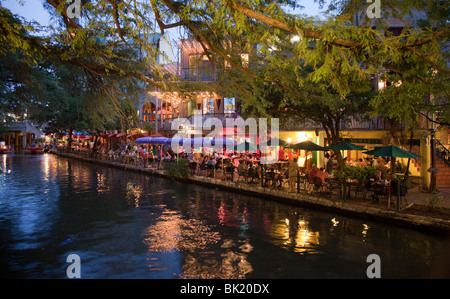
[(355, 172), (179, 169)]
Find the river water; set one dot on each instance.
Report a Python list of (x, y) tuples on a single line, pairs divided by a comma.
[(131, 225)]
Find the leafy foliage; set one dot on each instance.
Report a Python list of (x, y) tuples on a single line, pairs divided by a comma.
[(355, 173), (179, 169), (318, 69)]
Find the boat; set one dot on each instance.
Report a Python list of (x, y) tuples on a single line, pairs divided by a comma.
[(5, 171), (6, 149), (33, 150)]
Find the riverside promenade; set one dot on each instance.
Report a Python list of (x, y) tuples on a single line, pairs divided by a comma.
[(432, 221)]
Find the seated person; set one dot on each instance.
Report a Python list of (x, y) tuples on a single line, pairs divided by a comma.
[(252, 173), (361, 163), (375, 184), (375, 179), (241, 168), (323, 176), (229, 165), (210, 166), (279, 178), (204, 163), (211, 162), (312, 173), (270, 176)]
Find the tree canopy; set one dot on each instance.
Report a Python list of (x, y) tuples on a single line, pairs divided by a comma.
[(330, 61)]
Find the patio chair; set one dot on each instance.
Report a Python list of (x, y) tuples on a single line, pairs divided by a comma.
[(378, 192), (319, 185), (229, 171), (358, 189), (252, 174), (269, 178), (193, 167), (203, 168), (242, 173), (210, 170), (334, 187)]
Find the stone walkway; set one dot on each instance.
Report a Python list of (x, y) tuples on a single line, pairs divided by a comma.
[(423, 197)]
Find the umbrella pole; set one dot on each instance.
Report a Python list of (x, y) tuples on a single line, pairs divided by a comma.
[(393, 168)]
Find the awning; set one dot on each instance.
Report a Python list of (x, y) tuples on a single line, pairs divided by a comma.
[(156, 140)]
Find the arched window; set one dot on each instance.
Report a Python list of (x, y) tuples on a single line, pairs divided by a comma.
[(148, 112)]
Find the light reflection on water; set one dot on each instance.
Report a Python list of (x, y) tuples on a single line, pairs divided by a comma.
[(128, 225)]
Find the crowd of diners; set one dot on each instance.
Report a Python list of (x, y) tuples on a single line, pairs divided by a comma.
[(287, 172)]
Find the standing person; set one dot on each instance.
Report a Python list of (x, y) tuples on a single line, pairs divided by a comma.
[(293, 169), (309, 160), (280, 153), (329, 165)]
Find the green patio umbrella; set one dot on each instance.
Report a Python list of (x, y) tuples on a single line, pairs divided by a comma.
[(273, 140), (392, 151), (345, 146), (246, 146), (307, 146)]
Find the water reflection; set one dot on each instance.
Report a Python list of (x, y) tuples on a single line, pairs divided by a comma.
[(102, 184), (296, 237), (134, 193), (206, 254), (129, 225)]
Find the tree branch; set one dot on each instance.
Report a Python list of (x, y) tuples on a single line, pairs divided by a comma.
[(434, 65), (314, 34), (434, 121), (70, 22), (202, 38)]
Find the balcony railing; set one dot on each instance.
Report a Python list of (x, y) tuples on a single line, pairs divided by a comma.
[(166, 124), (198, 74), (376, 123), (351, 123), (443, 152)]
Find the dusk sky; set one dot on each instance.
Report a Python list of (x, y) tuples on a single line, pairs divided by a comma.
[(33, 10)]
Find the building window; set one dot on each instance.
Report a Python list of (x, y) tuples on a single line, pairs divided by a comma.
[(229, 105), (244, 58), (147, 110), (208, 105)]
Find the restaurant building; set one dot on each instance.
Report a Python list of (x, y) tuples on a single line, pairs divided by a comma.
[(162, 107)]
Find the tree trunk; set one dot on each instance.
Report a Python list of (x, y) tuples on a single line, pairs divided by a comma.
[(70, 139), (333, 135), (94, 147), (410, 149)]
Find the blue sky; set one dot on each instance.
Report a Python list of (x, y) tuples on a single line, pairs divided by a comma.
[(33, 10)]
